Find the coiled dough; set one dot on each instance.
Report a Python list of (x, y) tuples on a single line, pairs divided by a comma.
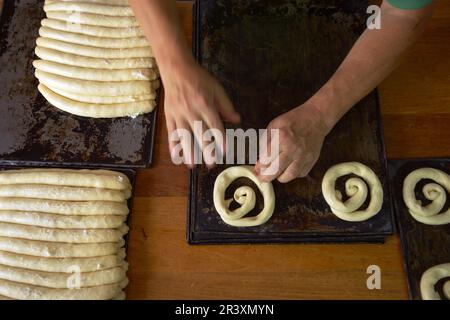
[(435, 192), (433, 276), (356, 189), (245, 196)]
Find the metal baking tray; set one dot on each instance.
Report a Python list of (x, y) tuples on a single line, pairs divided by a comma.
[(34, 132), (130, 173), (270, 57), (423, 246)]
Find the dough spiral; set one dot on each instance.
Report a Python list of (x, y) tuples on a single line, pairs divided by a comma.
[(245, 196), (435, 192), (433, 276), (356, 189)]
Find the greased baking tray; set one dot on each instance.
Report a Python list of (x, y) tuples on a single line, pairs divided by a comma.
[(423, 246), (272, 56), (34, 132)]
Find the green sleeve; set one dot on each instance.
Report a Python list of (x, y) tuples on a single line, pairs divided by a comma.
[(409, 4)]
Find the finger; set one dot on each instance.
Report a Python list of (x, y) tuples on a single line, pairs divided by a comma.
[(276, 167), (187, 142), (172, 136), (196, 124), (309, 164), (226, 108), (214, 123), (292, 172)]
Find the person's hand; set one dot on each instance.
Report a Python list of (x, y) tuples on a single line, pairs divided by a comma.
[(301, 135), (191, 94)]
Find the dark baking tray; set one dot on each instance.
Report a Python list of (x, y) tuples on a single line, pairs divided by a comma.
[(33, 131), (423, 246), (271, 56), (130, 173)]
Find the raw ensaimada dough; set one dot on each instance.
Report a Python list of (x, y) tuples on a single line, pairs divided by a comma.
[(95, 60), (435, 192), (429, 280), (356, 189), (57, 224), (245, 196)]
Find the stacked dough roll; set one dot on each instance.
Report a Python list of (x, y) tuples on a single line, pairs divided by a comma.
[(95, 60), (61, 234)]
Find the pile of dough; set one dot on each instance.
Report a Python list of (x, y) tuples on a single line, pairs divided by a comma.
[(245, 196), (435, 192), (356, 189), (429, 280), (61, 234), (95, 60)]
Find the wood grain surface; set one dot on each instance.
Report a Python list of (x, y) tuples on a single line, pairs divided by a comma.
[(415, 103)]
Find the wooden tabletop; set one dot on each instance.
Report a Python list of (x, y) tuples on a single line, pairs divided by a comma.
[(415, 102)]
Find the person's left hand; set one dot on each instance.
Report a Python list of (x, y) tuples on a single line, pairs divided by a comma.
[(301, 135)]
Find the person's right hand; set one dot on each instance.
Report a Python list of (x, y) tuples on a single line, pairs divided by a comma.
[(191, 94)]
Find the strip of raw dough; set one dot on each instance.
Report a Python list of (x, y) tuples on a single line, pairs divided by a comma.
[(59, 280), (93, 88), (245, 196), (94, 19), (429, 280), (130, 109), (108, 43), (96, 74), (22, 291), (67, 177), (21, 231), (96, 31), (97, 8), (355, 189), (120, 296), (95, 52), (109, 2), (96, 63), (59, 250), (83, 208), (63, 193), (50, 220), (103, 99), (89, 264), (434, 192)]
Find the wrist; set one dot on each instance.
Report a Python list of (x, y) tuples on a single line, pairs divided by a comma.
[(176, 64), (321, 108), (328, 105)]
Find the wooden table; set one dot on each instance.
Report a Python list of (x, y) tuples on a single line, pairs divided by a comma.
[(415, 104)]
